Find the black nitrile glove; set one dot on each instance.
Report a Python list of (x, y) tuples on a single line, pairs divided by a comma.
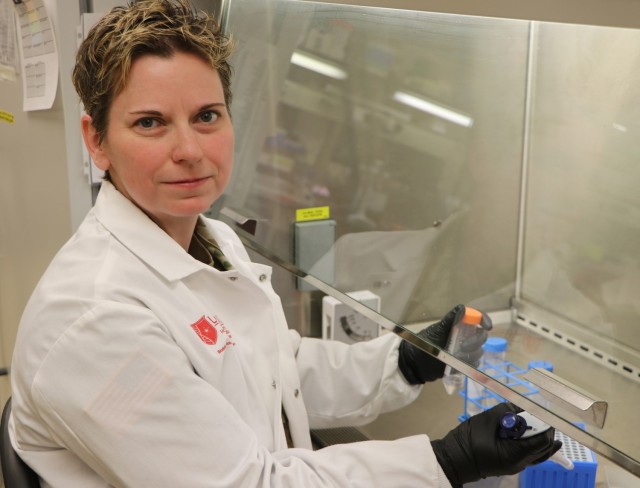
[(419, 367), (473, 449)]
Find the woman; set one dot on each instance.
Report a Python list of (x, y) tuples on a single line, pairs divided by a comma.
[(154, 353)]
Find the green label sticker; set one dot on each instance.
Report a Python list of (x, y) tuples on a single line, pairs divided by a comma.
[(314, 213)]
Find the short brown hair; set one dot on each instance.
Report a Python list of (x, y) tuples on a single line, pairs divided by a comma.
[(156, 27)]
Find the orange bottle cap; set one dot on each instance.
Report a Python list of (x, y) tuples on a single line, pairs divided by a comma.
[(472, 316)]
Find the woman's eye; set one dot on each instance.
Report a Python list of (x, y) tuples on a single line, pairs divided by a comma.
[(208, 116), (147, 123)]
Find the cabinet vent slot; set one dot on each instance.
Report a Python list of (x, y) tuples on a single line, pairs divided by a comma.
[(587, 350)]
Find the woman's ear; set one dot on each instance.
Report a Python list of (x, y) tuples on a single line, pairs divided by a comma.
[(94, 146)]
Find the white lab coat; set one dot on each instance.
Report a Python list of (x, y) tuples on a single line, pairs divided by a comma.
[(138, 366)]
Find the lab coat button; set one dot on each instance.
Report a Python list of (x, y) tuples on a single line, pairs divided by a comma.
[(296, 392), (273, 384), (233, 278), (263, 277)]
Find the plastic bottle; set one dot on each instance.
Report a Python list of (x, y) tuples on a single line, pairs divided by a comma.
[(492, 363), (460, 332), (494, 354)]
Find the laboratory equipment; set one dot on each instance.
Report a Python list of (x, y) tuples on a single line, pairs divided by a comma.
[(551, 474), (462, 332), (455, 214), (340, 322), (495, 351), (522, 425)]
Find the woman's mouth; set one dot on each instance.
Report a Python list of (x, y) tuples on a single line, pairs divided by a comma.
[(190, 182)]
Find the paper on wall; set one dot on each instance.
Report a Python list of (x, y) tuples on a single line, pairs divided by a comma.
[(38, 55), (8, 60)]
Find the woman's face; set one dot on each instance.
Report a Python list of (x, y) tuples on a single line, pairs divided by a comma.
[(169, 142)]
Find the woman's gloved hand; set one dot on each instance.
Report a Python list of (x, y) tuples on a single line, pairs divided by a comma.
[(419, 367), (473, 449)]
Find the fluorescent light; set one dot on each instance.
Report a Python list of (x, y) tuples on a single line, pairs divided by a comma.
[(433, 109), (318, 66)]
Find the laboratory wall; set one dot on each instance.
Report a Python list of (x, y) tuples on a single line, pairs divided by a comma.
[(43, 191), (34, 213)]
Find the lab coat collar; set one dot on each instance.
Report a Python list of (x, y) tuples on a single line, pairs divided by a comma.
[(143, 237)]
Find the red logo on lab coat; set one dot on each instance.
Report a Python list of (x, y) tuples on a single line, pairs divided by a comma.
[(209, 329), (206, 330)]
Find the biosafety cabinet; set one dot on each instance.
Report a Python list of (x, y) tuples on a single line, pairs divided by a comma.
[(432, 159)]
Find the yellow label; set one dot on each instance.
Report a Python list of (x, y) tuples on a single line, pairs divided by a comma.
[(315, 213), (6, 116)]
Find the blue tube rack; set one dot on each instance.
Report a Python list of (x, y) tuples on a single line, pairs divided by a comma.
[(508, 374)]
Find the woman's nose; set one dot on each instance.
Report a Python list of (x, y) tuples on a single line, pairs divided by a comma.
[(186, 146)]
